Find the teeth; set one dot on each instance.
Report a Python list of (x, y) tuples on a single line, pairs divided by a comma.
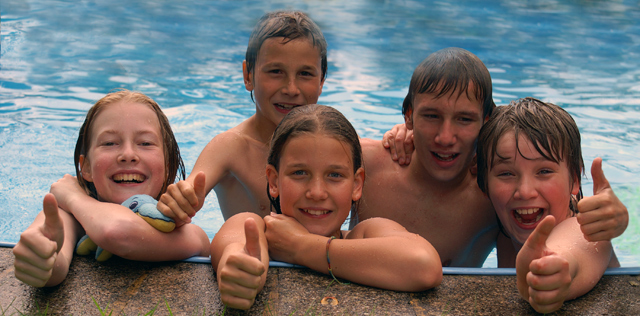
[(527, 211), (128, 178), (314, 212), (286, 107), (446, 157)]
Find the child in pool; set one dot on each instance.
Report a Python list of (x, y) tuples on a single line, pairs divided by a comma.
[(285, 67), (530, 165), (315, 176), (125, 147)]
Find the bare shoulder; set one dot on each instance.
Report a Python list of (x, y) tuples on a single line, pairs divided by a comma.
[(231, 144), (376, 227), (375, 155)]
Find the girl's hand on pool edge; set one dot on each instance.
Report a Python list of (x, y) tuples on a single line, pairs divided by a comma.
[(241, 272), (284, 234), (36, 252)]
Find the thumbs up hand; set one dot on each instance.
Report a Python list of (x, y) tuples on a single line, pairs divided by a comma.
[(240, 271), (183, 199), (543, 277), (602, 216), (36, 252)]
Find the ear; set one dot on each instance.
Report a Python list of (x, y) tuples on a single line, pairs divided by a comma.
[(248, 77), (486, 118), (85, 169), (358, 183), (272, 179), (575, 186), (408, 119)]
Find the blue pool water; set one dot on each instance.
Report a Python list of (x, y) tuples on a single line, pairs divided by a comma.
[(59, 57)]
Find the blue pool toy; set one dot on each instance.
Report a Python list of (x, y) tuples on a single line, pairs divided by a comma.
[(145, 207)]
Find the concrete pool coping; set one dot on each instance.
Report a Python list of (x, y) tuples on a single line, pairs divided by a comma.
[(131, 288)]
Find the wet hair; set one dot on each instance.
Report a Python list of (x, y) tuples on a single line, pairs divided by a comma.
[(174, 165), (288, 24), (448, 70), (308, 120), (551, 130)]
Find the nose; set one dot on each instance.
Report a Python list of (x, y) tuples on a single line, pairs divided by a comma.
[(525, 189), (291, 86), (446, 134), (317, 189), (128, 153)]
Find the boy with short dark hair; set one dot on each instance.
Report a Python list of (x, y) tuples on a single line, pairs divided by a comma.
[(285, 67), (530, 166)]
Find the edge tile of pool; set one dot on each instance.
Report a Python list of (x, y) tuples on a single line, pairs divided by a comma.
[(132, 288)]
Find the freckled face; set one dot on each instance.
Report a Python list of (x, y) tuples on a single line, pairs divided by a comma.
[(286, 75), (316, 182), (524, 187), (126, 155)]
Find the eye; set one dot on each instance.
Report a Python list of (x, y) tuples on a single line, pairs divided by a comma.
[(504, 174), (335, 175), (298, 173), (545, 171)]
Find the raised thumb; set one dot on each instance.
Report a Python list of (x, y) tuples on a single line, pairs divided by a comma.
[(199, 185), (53, 226), (538, 238), (252, 238), (600, 182)]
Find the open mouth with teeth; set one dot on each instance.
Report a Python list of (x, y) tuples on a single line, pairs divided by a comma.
[(315, 213), (128, 178), (528, 217), (448, 157), (286, 107)]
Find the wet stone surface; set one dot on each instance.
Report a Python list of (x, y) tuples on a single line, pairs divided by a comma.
[(133, 288)]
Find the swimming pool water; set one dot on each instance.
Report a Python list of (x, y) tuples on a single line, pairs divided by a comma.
[(58, 58)]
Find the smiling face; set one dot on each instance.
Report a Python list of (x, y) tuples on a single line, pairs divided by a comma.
[(445, 132), (316, 182), (286, 75), (524, 187), (126, 154)]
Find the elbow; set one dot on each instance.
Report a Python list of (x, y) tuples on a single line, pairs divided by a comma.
[(427, 272), (119, 239)]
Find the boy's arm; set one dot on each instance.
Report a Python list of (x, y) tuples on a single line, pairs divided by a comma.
[(377, 252), (120, 231), (602, 216), (43, 254), (183, 199), (557, 264), (240, 257)]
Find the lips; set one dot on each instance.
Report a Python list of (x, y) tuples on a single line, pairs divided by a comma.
[(528, 217), (315, 212), (129, 178), (285, 107), (445, 157)]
